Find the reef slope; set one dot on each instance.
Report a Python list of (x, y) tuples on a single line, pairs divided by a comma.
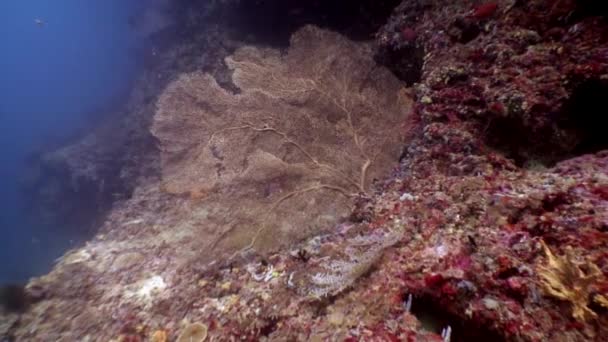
[(494, 223)]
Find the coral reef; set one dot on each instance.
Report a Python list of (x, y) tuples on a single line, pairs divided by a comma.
[(529, 75), (284, 163), (493, 227)]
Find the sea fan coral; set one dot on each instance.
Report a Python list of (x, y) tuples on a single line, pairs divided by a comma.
[(286, 155)]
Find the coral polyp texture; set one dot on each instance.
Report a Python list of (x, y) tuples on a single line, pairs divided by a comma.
[(493, 227)]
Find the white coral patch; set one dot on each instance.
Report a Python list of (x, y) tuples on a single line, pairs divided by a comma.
[(147, 289), (77, 257), (406, 197), (152, 285)]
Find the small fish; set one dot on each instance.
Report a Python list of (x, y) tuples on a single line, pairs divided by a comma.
[(39, 22)]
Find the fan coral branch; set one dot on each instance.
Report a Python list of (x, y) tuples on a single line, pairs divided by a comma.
[(274, 206)]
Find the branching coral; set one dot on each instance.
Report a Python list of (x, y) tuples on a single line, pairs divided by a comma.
[(564, 279)]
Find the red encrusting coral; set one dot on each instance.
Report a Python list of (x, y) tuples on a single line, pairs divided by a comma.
[(512, 81), (485, 10)]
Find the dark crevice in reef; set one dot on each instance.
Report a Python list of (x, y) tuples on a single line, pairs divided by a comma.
[(588, 8), (405, 62), (433, 317), (579, 129), (511, 137), (13, 298), (464, 29), (272, 22), (270, 326), (399, 45), (586, 115)]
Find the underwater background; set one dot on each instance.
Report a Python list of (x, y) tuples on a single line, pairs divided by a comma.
[(65, 66)]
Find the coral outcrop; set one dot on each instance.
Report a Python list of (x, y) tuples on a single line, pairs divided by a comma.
[(494, 226)]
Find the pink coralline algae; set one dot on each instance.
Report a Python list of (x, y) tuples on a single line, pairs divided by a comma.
[(408, 34), (497, 155), (485, 10)]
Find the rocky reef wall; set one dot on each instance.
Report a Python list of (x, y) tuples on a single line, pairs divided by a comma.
[(492, 227)]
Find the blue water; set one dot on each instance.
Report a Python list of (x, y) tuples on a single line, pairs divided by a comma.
[(55, 77)]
